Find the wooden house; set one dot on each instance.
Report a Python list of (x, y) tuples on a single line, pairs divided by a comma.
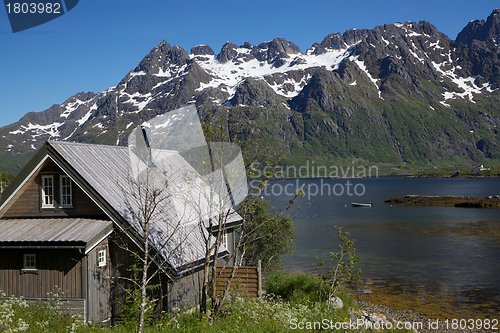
[(60, 219), (478, 168)]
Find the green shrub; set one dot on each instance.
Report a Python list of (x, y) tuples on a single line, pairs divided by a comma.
[(130, 309), (300, 288), (340, 266)]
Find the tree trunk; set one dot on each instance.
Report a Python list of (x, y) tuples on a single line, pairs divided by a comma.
[(142, 308), (206, 275), (215, 306)]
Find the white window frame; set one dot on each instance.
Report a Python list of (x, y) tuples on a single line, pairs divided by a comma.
[(29, 261), (101, 258), (223, 241), (45, 195), (61, 192)]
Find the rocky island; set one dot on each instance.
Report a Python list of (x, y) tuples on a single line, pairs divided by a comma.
[(448, 200)]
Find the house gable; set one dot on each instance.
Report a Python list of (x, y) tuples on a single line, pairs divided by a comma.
[(27, 202)]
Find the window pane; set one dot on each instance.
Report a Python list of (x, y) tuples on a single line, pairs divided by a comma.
[(48, 191), (29, 261), (66, 191), (101, 258)]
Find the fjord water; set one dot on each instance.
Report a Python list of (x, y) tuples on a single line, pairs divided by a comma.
[(425, 252)]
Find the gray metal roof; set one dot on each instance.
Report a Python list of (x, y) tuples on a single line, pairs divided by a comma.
[(188, 200), (51, 230)]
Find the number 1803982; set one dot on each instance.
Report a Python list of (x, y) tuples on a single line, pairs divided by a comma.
[(33, 8)]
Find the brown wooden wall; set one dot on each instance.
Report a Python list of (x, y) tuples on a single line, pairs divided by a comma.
[(120, 263), (99, 285), (185, 293), (245, 282), (55, 267), (27, 202)]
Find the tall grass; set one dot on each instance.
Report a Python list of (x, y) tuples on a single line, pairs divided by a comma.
[(298, 305), (297, 288), (16, 315)]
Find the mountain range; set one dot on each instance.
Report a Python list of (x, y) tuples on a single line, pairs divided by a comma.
[(401, 93)]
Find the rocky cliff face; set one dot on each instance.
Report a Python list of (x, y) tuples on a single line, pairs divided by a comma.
[(396, 93)]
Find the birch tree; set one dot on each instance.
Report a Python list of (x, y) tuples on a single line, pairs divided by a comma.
[(157, 217), (229, 178), (146, 200)]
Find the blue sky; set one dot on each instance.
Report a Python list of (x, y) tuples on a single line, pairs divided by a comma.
[(92, 47)]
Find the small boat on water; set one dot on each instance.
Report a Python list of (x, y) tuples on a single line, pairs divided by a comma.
[(358, 204)]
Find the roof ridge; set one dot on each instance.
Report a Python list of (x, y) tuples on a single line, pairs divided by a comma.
[(51, 142)]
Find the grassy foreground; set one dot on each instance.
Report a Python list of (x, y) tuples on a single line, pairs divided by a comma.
[(240, 316), (298, 309)]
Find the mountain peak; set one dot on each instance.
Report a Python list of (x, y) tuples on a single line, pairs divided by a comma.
[(481, 30), (280, 45), (336, 41), (227, 52), (273, 52), (161, 56), (203, 49)]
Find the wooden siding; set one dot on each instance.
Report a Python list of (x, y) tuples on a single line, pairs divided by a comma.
[(27, 202), (185, 293), (21, 191), (99, 285), (119, 266), (245, 282), (68, 305), (55, 269)]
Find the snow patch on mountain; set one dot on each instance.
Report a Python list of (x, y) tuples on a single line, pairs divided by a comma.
[(362, 66), (414, 53), (436, 45), (134, 100), (72, 106), (51, 129), (132, 74), (467, 84), (82, 120), (162, 73), (228, 75), (86, 117), (290, 88)]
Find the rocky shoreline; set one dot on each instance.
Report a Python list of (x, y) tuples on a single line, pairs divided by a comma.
[(381, 313), (447, 200)]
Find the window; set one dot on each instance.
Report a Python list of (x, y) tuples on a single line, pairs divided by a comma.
[(56, 192), (65, 191), (224, 239), (29, 261), (47, 192), (101, 258)]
